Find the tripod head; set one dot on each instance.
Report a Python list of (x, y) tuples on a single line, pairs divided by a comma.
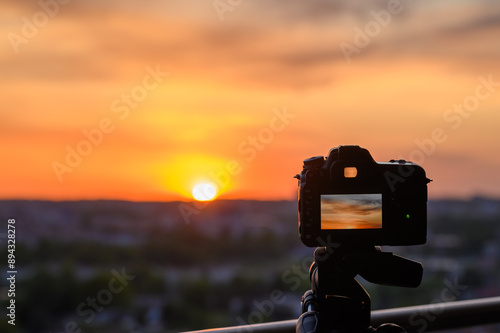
[(337, 302)]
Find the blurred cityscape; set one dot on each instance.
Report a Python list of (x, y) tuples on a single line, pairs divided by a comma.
[(117, 266)]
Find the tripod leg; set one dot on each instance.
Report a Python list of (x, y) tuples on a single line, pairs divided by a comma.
[(309, 320), (307, 323)]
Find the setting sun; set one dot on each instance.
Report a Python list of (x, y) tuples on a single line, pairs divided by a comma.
[(204, 192)]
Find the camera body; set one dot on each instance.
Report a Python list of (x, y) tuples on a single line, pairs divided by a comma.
[(348, 198)]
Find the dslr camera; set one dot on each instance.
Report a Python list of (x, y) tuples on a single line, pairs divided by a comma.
[(350, 199)]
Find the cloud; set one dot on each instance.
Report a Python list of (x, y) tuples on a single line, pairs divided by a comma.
[(265, 44)]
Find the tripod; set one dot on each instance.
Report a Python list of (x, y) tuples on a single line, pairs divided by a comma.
[(337, 303)]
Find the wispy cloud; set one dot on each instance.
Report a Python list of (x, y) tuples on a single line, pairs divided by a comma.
[(268, 43)]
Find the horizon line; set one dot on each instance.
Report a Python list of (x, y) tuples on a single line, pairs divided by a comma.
[(443, 198)]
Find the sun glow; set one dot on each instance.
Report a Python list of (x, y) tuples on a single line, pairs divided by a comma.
[(204, 192), (180, 174)]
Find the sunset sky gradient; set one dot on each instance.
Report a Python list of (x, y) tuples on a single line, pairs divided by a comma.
[(181, 96)]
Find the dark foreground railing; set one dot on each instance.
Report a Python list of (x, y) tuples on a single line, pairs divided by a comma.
[(420, 318)]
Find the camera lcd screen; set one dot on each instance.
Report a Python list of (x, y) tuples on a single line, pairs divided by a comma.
[(351, 211)]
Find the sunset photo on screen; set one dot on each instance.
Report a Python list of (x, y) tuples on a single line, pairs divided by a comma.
[(351, 211)]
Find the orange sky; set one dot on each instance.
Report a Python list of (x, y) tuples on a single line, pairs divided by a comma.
[(171, 93)]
